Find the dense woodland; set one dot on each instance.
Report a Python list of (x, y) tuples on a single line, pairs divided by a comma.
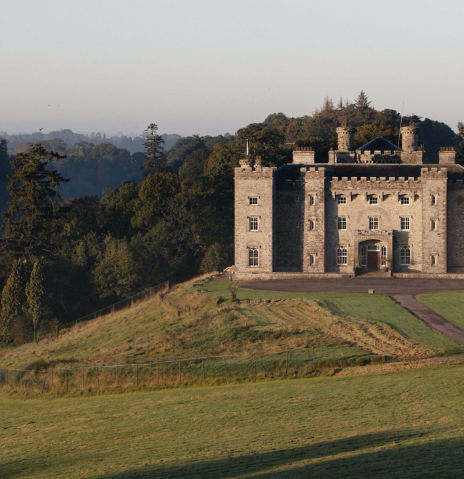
[(134, 220)]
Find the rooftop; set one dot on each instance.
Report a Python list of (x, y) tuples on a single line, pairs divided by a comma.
[(378, 144)]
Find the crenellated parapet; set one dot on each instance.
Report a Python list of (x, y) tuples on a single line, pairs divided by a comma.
[(434, 173), (375, 183), (313, 173), (304, 155), (253, 169)]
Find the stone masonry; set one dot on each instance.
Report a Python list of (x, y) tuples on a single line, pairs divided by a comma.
[(376, 208)]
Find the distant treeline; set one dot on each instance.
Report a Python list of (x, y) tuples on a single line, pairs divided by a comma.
[(20, 142), (163, 215)]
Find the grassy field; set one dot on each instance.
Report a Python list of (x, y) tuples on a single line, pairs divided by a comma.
[(344, 329), (450, 304), (403, 424)]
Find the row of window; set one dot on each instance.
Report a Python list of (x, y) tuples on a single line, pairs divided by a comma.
[(342, 256), (341, 200)]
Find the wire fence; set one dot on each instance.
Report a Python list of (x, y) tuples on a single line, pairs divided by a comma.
[(120, 305), (163, 373)]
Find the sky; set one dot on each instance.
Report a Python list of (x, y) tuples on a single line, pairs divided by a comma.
[(214, 66)]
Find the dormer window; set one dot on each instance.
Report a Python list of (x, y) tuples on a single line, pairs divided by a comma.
[(405, 200), (373, 200), (341, 200)]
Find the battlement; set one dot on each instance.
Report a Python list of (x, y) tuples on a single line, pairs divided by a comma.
[(374, 182), (253, 169), (438, 173), (313, 172), (342, 156)]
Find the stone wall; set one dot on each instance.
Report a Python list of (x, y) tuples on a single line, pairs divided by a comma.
[(254, 182), (455, 237)]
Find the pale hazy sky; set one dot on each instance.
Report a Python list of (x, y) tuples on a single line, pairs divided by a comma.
[(213, 66)]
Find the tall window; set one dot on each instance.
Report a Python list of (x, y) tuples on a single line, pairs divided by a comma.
[(341, 200), (405, 255), (405, 200), (311, 260), (342, 255), (253, 223), (433, 260), (383, 255), (253, 257), (311, 200), (373, 200), (433, 225), (363, 256), (311, 224), (373, 222), (405, 223), (253, 200), (433, 200), (342, 222)]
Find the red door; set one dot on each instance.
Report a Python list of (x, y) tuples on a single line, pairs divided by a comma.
[(373, 260)]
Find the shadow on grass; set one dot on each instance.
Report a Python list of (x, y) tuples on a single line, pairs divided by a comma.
[(424, 459), (421, 457)]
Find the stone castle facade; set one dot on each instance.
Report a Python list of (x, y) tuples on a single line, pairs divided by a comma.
[(376, 208)]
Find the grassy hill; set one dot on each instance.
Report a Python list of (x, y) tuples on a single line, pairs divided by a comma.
[(404, 424), (344, 329)]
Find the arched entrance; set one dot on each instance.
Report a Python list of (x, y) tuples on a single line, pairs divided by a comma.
[(372, 255)]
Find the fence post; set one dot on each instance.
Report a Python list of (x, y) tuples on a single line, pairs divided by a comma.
[(137, 376), (286, 365), (314, 360), (66, 380), (225, 364), (203, 367)]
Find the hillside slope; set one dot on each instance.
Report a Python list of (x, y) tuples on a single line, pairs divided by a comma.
[(187, 324)]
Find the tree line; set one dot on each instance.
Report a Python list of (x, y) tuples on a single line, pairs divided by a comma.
[(62, 259)]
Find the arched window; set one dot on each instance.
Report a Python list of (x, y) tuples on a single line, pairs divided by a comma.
[(342, 255), (383, 255), (253, 257), (405, 255)]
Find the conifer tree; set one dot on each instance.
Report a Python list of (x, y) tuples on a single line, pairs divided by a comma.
[(154, 156), (31, 222), (362, 102), (35, 292), (13, 300)]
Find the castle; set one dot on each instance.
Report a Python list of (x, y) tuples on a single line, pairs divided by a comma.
[(376, 208)]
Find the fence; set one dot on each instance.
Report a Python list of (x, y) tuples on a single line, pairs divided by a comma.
[(163, 373), (123, 304)]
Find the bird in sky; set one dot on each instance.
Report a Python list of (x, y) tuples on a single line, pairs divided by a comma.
[(40, 129)]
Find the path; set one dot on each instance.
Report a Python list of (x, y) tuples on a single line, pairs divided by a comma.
[(429, 316), (358, 285)]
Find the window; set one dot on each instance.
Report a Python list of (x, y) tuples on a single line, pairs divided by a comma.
[(253, 200), (311, 224), (341, 200), (433, 200), (405, 255), (342, 223), (253, 222), (297, 224), (311, 260), (405, 223), (433, 260), (405, 200), (253, 257), (373, 200), (342, 255), (311, 200), (297, 199), (363, 256), (383, 255), (373, 223), (433, 225)]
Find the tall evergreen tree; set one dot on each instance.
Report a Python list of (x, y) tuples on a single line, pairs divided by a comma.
[(31, 222), (362, 102), (13, 300), (35, 294), (154, 156)]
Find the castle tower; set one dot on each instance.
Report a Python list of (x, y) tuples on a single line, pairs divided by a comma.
[(410, 138), (345, 138)]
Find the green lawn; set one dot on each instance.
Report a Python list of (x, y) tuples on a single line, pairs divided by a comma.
[(405, 424), (376, 307), (450, 304)]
